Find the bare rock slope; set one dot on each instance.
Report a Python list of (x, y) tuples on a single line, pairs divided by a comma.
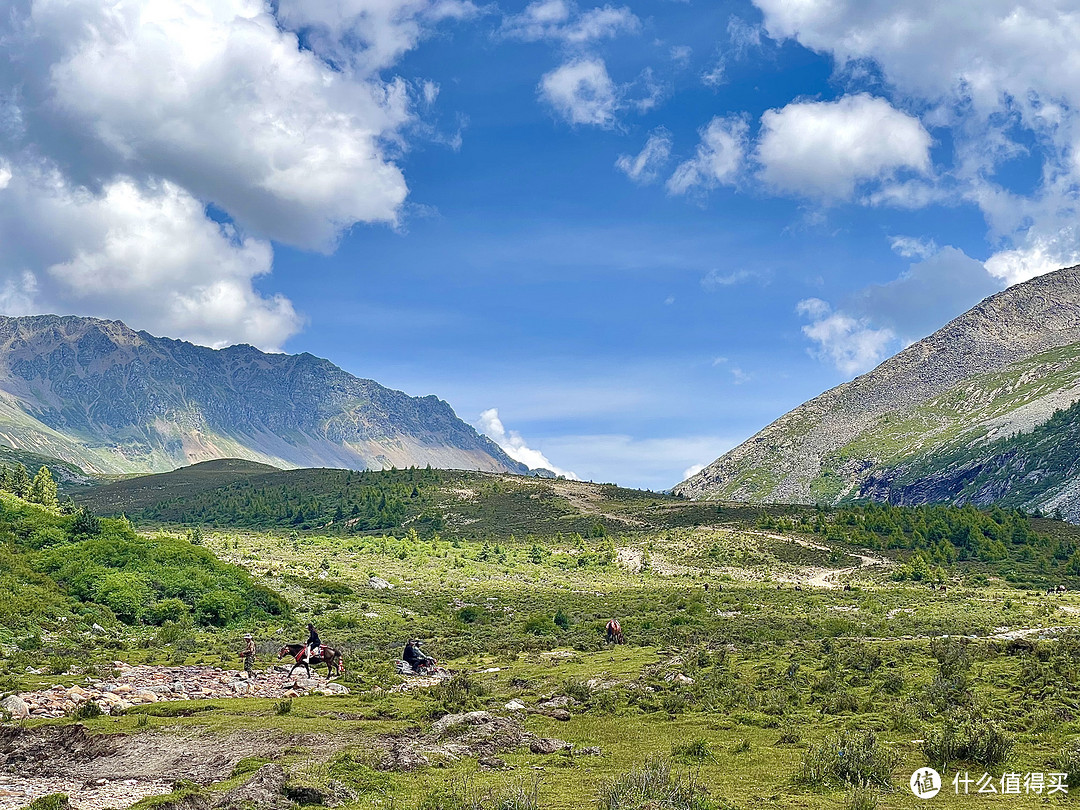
[(109, 399), (995, 374)]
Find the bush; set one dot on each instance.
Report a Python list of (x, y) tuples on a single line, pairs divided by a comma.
[(87, 710), (54, 801), (850, 758), (460, 693), (283, 707), (1067, 760), (972, 740), (652, 786), (696, 751), (577, 689), (862, 799)]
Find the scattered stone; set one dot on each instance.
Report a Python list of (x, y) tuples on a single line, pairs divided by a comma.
[(560, 702), (493, 764), (559, 714), (379, 584), (588, 751), (444, 724), (515, 705), (679, 679), (544, 745), (149, 684)]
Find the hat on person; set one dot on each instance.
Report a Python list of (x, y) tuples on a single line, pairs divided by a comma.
[(247, 635)]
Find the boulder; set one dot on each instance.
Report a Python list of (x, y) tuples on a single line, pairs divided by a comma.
[(444, 724), (545, 745), (16, 707)]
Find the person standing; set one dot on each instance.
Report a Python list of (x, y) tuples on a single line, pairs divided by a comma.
[(249, 655)]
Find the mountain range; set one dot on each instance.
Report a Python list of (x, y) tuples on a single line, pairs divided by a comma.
[(109, 399), (982, 411)]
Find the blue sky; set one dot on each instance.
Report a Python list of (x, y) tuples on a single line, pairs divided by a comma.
[(620, 238)]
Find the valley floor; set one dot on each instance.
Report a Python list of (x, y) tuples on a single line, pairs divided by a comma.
[(755, 662)]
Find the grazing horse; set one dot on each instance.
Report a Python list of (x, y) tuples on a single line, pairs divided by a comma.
[(328, 655)]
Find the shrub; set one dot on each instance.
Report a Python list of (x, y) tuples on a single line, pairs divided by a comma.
[(577, 689), (458, 694), (972, 740), (789, 738), (54, 801), (283, 706), (850, 758), (87, 710), (653, 786), (1067, 760), (695, 751), (840, 702), (862, 799)]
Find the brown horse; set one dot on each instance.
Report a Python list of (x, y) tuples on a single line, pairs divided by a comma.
[(333, 659)]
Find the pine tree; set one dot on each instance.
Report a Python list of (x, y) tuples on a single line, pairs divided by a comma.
[(43, 489), (20, 481)]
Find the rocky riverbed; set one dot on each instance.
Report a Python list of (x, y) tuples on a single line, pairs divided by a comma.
[(139, 685)]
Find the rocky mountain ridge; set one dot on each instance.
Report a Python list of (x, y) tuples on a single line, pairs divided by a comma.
[(1001, 369), (110, 399)]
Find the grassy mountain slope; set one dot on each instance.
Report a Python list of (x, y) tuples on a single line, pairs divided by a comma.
[(75, 568), (232, 493), (1001, 369), (111, 400), (494, 508)]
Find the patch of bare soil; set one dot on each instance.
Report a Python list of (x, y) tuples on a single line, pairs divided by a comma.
[(116, 770)]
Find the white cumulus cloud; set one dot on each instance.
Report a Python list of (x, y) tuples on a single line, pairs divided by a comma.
[(515, 446), (851, 344), (582, 92), (1003, 76), (825, 149), (143, 253), (562, 21), (126, 121)]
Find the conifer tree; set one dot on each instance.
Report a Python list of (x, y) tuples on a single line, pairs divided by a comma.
[(20, 481), (43, 489)]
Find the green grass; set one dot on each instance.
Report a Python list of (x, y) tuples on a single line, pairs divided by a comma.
[(776, 683)]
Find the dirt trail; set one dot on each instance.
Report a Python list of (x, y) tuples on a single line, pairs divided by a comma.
[(825, 577)]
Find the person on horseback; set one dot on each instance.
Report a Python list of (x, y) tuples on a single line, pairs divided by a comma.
[(614, 631), (415, 657), (313, 646)]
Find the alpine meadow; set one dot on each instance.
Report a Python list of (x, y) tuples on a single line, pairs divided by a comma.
[(539, 404)]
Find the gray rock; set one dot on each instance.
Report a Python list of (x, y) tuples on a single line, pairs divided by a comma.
[(545, 745), (16, 707)]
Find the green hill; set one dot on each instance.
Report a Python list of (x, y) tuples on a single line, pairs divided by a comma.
[(77, 568), (240, 494), (130, 495)]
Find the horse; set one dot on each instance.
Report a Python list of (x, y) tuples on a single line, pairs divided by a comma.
[(329, 656)]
